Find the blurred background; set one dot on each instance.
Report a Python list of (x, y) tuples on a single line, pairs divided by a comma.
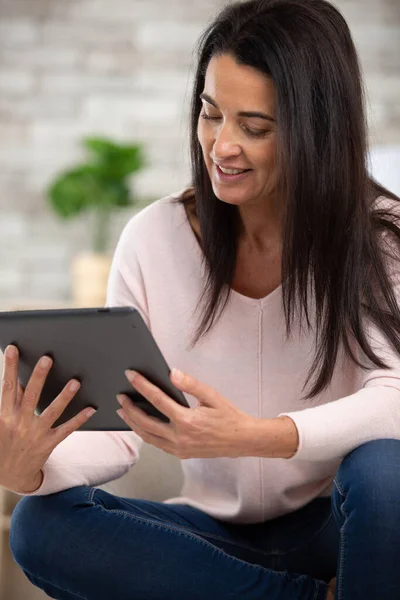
[(119, 71)]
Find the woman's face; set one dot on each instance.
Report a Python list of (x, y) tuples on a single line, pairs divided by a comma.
[(237, 130)]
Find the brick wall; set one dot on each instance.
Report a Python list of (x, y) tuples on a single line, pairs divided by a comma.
[(74, 67)]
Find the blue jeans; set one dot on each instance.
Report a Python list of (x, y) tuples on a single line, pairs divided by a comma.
[(89, 544)]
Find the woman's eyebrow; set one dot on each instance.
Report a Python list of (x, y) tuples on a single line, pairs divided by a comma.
[(252, 113)]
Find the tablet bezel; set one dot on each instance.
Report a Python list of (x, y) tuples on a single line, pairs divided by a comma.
[(96, 346)]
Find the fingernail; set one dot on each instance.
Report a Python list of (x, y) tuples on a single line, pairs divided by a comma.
[(120, 400), (74, 385), (11, 351), (130, 374), (45, 361), (177, 375)]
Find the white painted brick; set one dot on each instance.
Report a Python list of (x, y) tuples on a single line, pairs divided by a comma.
[(133, 11), (387, 136), (61, 9), (370, 39), (117, 61), (99, 10), (391, 11), (15, 32), (135, 108), (11, 281), (389, 56), (16, 81), (34, 9), (33, 106), (355, 11), (383, 88), (153, 131), (85, 34), (159, 181), (118, 221), (31, 157), (376, 114), (15, 192), (14, 133), (175, 81), (46, 132), (48, 226), (46, 254), (13, 226), (171, 154), (41, 56), (182, 36), (70, 68), (81, 83), (47, 286), (66, 135)]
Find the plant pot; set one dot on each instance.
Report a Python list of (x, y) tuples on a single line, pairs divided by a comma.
[(89, 274)]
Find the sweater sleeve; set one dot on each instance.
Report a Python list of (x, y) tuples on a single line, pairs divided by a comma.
[(97, 457), (332, 430)]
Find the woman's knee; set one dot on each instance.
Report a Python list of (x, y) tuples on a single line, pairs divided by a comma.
[(372, 472), (36, 524)]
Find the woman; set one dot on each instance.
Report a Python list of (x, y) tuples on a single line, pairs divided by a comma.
[(291, 443)]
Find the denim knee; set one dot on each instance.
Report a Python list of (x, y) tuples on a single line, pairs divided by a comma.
[(35, 522), (372, 473)]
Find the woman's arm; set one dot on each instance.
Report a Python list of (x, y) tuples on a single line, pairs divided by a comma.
[(273, 438)]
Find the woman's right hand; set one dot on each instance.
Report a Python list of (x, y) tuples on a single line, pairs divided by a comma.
[(26, 439)]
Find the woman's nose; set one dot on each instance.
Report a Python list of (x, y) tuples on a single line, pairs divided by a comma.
[(226, 144)]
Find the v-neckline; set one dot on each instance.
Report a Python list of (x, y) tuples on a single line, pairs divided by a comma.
[(199, 255)]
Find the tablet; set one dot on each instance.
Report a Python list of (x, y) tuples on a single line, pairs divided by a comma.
[(95, 346)]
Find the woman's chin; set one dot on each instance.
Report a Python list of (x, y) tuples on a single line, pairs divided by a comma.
[(230, 196)]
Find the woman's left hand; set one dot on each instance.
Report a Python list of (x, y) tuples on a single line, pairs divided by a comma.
[(214, 428)]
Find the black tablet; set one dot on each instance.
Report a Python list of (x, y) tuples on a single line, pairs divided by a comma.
[(95, 346)]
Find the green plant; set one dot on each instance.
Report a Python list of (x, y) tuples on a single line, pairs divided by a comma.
[(99, 185)]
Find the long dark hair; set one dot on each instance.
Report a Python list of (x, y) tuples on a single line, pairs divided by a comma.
[(332, 230)]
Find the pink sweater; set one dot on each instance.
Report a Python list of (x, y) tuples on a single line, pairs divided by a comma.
[(157, 269)]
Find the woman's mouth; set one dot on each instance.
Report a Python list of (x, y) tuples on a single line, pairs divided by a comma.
[(231, 175)]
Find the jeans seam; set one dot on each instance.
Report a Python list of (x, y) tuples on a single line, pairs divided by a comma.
[(92, 490), (341, 492), (54, 584), (342, 542), (196, 538), (223, 539), (317, 590), (308, 541), (152, 519), (286, 574)]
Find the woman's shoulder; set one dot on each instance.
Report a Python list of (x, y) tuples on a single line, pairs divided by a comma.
[(157, 222)]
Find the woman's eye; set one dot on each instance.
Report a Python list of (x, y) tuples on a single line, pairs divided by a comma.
[(208, 117), (258, 133), (255, 132)]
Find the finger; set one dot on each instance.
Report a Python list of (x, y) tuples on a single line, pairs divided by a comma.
[(149, 438), (20, 393), (9, 381), (155, 396), (59, 404), (146, 422), (61, 432), (34, 387), (205, 393)]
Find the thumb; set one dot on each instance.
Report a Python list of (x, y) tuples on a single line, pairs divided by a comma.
[(204, 393)]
